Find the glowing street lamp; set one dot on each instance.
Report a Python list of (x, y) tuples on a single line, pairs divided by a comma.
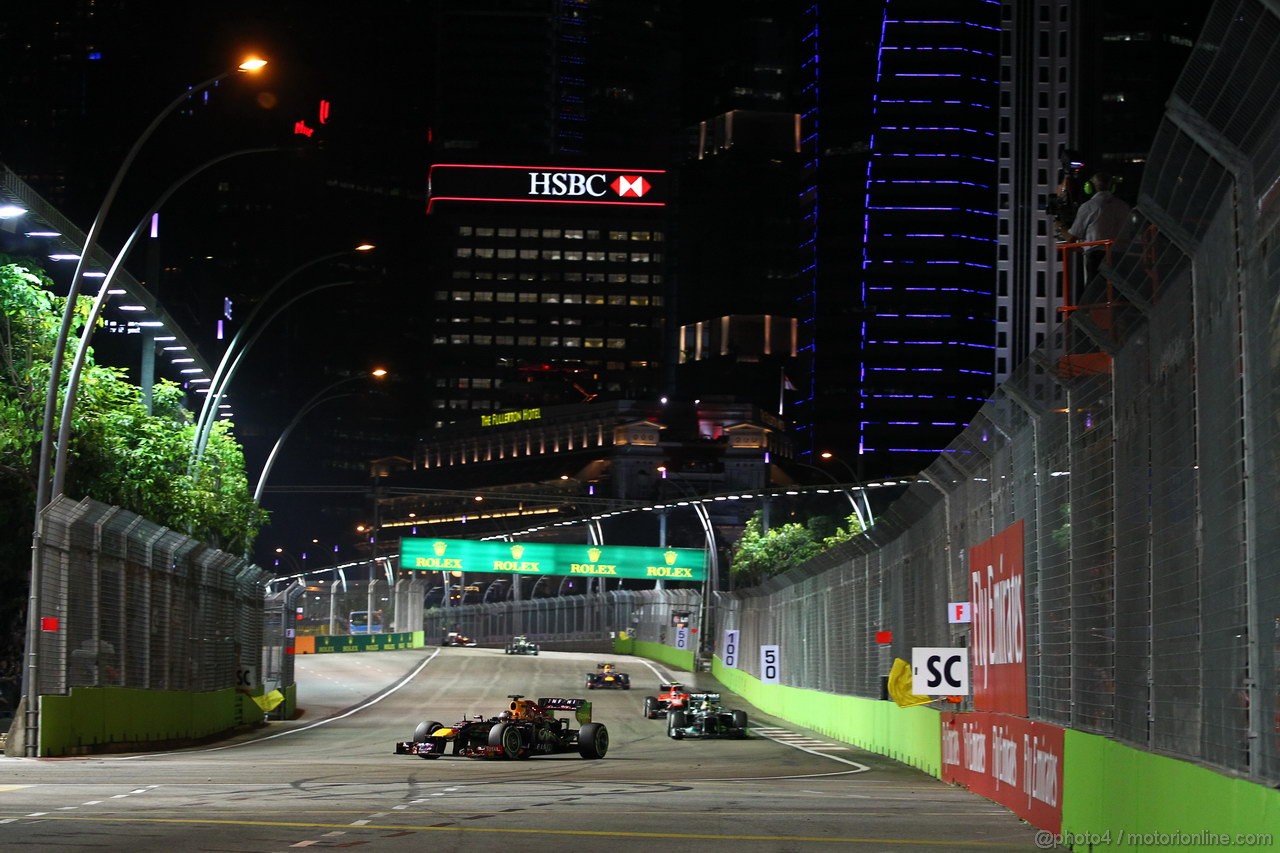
[(30, 689)]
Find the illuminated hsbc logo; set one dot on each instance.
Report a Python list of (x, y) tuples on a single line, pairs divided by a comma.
[(596, 185), (452, 183)]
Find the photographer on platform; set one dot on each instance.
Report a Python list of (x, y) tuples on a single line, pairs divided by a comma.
[(1104, 216)]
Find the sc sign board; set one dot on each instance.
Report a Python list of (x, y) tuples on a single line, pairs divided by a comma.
[(940, 672)]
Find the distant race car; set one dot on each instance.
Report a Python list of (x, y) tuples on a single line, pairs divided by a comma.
[(672, 696), (607, 675), (453, 638), (521, 646), (706, 717), (525, 729)]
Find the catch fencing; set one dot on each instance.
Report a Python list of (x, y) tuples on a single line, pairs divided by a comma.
[(1139, 449), (128, 603), (647, 615)]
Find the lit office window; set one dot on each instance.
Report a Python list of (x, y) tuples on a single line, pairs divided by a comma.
[(572, 299), (526, 254), (551, 297), (617, 343), (551, 254), (594, 299), (461, 296), (617, 257), (573, 256), (462, 274), (638, 300), (640, 235), (617, 278), (528, 232), (618, 235), (573, 234), (506, 297), (549, 342), (484, 252), (593, 343), (617, 299), (507, 232), (462, 252), (591, 256), (459, 339), (528, 297), (573, 342), (527, 340), (464, 230), (551, 233), (484, 232), (641, 257)]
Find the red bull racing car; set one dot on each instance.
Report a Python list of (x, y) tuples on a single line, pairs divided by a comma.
[(672, 696), (607, 675), (525, 729), (706, 718)]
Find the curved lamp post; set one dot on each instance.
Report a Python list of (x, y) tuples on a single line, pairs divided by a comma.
[(77, 365), (55, 370), (235, 352), (316, 400), (869, 520), (30, 690), (712, 583)]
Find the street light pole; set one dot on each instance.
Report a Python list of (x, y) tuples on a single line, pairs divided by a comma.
[(235, 352), (869, 521), (315, 401), (90, 240), (30, 670), (62, 449)]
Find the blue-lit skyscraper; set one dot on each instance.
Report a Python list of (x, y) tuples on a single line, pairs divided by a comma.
[(901, 206)]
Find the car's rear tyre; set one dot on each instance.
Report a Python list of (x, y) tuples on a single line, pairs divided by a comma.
[(740, 720), (649, 703), (675, 722), (593, 741), (508, 737)]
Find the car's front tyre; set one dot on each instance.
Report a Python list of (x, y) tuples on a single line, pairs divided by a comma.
[(508, 737)]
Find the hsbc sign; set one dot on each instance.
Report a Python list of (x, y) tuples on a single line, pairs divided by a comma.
[(568, 185), (597, 185)]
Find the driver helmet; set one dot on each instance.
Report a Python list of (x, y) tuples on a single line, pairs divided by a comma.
[(505, 715)]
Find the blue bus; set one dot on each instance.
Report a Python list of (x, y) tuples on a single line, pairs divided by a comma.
[(360, 623)]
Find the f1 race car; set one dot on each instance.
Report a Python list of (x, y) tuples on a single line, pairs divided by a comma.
[(521, 646), (671, 697), (607, 675), (525, 729), (453, 638), (706, 717)]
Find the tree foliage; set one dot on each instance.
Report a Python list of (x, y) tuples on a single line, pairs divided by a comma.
[(759, 555), (120, 453)]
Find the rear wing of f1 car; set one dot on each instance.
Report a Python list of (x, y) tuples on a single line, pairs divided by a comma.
[(704, 697), (580, 707)]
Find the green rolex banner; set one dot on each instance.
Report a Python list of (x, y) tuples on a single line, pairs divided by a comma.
[(542, 558)]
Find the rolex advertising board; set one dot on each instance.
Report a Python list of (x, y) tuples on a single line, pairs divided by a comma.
[(541, 558)]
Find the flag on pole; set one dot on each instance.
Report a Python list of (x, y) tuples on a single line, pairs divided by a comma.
[(900, 686), (786, 385)]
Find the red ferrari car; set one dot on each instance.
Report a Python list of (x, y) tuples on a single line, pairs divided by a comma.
[(671, 697)]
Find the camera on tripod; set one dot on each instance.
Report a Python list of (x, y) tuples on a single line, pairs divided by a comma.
[(1063, 206)]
